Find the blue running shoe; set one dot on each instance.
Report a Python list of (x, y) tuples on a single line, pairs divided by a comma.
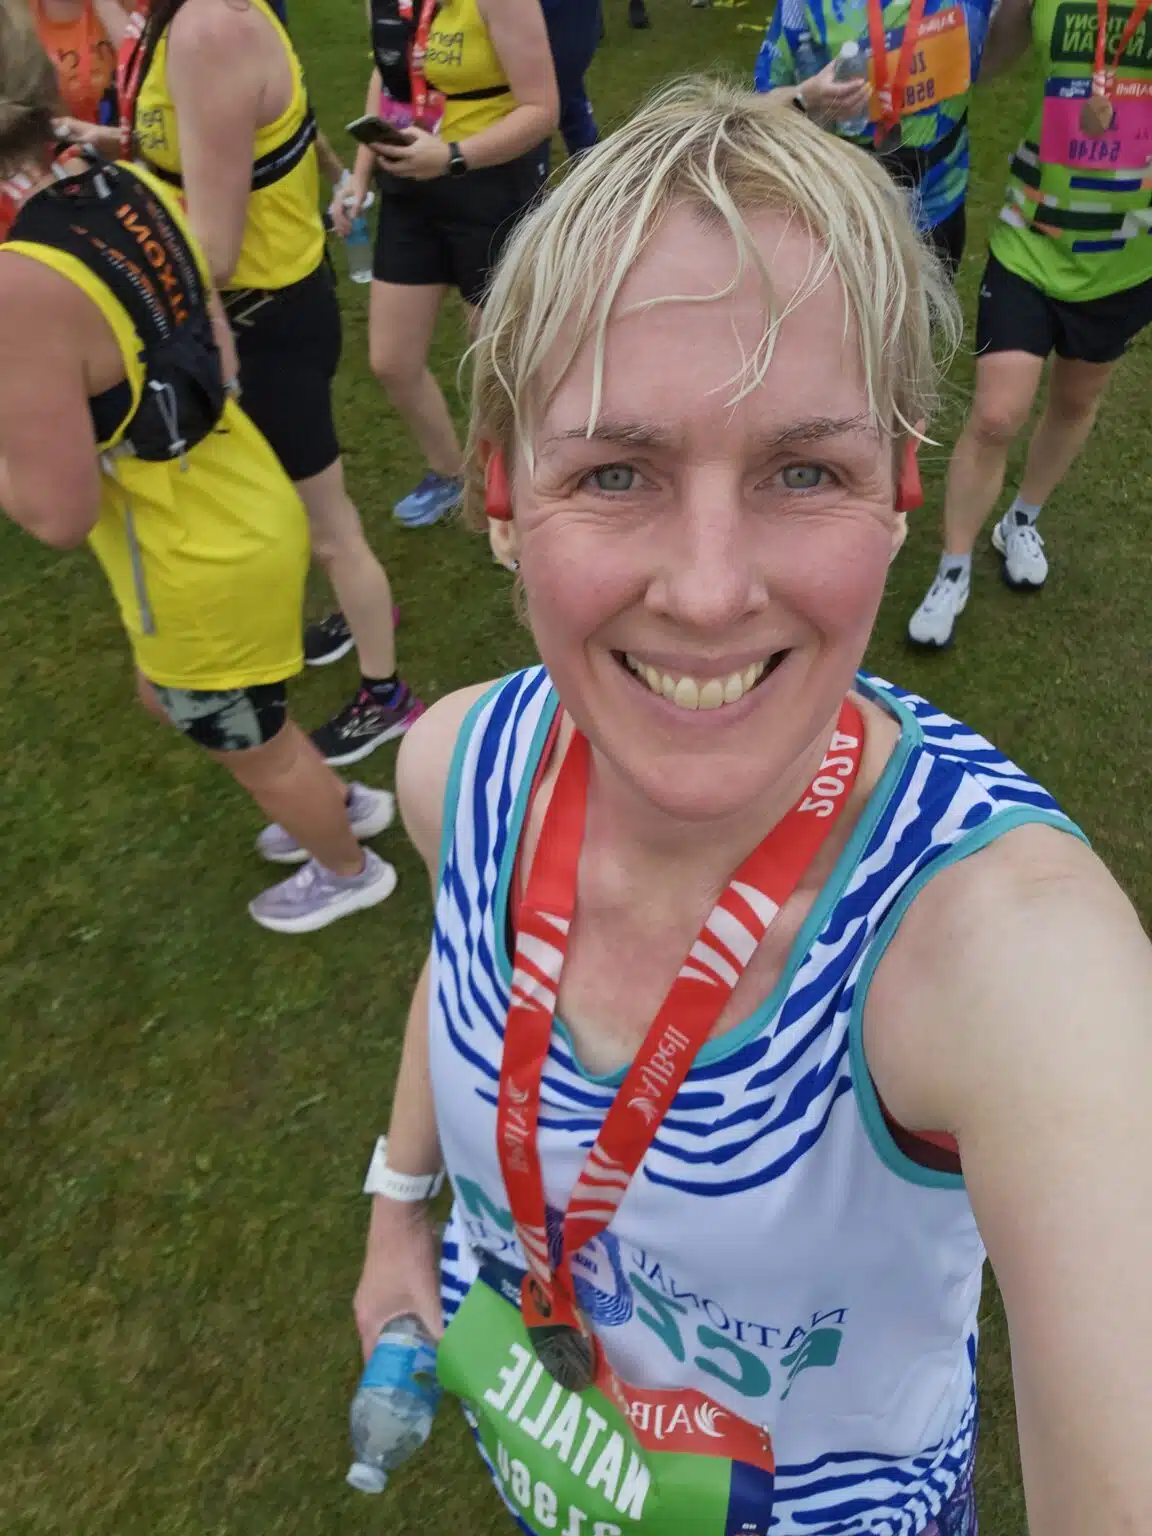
[(433, 498)]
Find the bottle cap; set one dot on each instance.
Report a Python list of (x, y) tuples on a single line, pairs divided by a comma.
[(849, 50), (366, 1478)]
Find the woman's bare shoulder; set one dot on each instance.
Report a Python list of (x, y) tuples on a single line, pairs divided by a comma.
[(424, 764)]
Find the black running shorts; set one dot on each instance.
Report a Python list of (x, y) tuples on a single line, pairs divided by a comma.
[(452, 230), (1013, 315), (227, 720), (288, 340)]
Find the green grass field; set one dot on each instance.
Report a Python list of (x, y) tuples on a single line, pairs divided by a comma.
[(188, 1102)]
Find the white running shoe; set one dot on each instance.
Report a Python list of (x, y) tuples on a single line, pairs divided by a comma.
[(934, 621), (1025, 567), (370, 812), (314, 897)]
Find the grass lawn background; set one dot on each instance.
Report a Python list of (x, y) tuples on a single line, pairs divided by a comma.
[(188, 1102)]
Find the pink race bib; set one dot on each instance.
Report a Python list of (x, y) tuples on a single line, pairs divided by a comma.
[(1127, 146)]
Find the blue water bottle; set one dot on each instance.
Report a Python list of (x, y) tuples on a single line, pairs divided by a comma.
[(395, 1403)]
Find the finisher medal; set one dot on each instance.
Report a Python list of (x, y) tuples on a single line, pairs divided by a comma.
[(1097, 115), (563, 1348)]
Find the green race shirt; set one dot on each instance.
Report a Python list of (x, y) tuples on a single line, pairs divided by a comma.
[(1078, 212)]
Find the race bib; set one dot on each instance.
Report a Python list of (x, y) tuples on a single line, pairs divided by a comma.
[(1127, 145), (615, 1460), (941, 66)]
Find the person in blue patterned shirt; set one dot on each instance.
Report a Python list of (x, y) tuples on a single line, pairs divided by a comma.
[(931, 71)]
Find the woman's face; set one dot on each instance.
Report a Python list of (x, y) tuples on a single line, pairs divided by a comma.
[(702, 578)]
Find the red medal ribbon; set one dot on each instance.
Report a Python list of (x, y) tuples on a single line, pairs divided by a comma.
[(891, 91), (419, 48), (698, 996), (129, 68), (1104, 77)]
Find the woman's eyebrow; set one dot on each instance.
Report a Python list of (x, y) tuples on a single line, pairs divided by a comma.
[(643, 434)]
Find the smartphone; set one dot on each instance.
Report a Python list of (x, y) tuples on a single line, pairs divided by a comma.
[(374, 130)]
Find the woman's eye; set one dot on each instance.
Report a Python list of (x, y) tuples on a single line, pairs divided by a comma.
[(803, 477), (613, 477)]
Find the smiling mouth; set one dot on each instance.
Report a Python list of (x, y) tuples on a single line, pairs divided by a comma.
[(695, 693)]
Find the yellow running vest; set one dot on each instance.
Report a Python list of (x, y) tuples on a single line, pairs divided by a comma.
[(223, 541), (284, 236), (461, 60)]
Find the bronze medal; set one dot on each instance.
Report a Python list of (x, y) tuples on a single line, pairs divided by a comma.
[(566, 1353), (565, 1350), (1097, 115)]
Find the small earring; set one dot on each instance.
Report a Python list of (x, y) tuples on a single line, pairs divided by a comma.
[(910, 492), (497, 497)]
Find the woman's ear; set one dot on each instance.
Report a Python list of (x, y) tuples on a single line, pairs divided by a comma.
[(505, 543)]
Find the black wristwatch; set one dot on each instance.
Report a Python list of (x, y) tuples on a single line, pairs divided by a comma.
[(457, 165)]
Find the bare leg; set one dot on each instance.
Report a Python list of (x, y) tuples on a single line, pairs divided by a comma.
[(401, 323), (1006, 384), (292, 784), (1074, 393), (358, 579)]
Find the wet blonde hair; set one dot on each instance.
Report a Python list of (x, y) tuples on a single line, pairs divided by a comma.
[(729, 155), (29, 93)]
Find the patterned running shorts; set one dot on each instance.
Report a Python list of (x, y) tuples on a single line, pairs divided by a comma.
[(229, 720)]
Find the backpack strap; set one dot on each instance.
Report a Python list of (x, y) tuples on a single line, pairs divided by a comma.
[(113, 223)]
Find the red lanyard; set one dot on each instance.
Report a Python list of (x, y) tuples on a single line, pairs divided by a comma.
[(419, 48), (129, 67), (891, 91), (1106, 75), (714, 965)]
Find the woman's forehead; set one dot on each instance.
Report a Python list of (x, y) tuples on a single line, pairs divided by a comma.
[(690, 324)]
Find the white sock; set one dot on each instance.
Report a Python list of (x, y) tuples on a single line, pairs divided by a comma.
[(955, 567), (1024, 512)]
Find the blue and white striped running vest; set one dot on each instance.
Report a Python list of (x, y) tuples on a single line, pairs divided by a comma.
[(776, 1250)]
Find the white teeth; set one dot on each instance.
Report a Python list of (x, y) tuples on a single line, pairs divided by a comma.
[(689, 692)]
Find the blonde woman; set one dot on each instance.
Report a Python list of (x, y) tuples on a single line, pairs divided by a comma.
[(762, 997)]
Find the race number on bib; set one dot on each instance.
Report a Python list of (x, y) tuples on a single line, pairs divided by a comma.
[(614, 1460), (1126, 146), (941, 66)]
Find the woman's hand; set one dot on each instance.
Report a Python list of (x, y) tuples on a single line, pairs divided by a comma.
[(401, 1272), (423, 158), (348, 199), (73, 130), (829, 100)]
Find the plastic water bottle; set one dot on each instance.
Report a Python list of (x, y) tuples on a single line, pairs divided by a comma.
[(395, 1403), (852, 64), (358, 244)]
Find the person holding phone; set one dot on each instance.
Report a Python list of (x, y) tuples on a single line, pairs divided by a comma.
[(472, 84), (214, 94)]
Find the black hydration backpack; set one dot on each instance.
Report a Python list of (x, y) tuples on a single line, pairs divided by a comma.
[(113, 222)]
